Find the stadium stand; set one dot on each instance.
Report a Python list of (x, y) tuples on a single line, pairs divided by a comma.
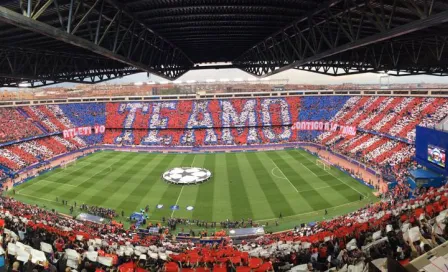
[(386, 125), (347, 241), (15, 125)]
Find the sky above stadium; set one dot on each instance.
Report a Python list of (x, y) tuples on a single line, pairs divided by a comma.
[(294, 77)]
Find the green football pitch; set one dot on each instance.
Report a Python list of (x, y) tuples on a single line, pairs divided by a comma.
[(256, 185)]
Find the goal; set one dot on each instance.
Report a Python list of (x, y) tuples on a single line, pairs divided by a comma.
[(66, 164), (323, 164)]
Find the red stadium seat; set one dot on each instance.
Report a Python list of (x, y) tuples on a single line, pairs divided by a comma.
[(171, 267), (243, 269)]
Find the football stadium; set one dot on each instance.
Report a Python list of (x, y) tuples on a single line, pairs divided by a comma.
[(113, 158)]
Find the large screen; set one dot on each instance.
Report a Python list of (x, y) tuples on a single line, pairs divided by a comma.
[(436, 155)]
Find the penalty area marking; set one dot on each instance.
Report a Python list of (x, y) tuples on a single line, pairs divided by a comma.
[(83, 165), (36, 197), (354, 189), (284, 176), (48, 181), (64, 184)]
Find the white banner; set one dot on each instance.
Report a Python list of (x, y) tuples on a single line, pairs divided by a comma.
[(83, 131), (324, 126)]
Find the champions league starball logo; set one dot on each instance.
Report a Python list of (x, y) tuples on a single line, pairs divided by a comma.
[(186, 175)]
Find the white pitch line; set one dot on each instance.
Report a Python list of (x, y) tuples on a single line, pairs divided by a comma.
[(349, 186), (181, 190), (272, 172), (31, 196), (308, 168), (300, 214), (354, 189), (177, 201), (44, 180), (82, 163), (285, 177), (194, 158), (65, 184)]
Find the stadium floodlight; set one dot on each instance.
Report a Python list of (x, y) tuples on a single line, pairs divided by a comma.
[(138, 83), (24, 85), (266, 79), (164, 82), (150, 83), (191, 81), (178, 82), (210, 80), (224, 80)]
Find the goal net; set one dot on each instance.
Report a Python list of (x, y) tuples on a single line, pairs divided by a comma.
[(323, 164), (66, 164)]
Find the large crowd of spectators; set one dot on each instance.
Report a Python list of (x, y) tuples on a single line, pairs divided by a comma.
[(14, 126), (396, 227), (223, 122)]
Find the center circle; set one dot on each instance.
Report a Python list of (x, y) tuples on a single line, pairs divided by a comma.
[(186, 175)]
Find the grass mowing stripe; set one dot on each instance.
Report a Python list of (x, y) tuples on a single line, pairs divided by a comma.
[(81, 171), (221, 192), (79, 164), (59, 172), (345, 191), (275, 198), (257, 200), (95, 179), (286, 188), (203, 206), (216, 200), (312, 197), (173, 191), (189, 194), (326, 178), (116, 183), (63, 179), (158, 187), (137, 195), (239, 202)]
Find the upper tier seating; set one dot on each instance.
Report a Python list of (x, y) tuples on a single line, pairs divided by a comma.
[(224, 122), (15, 125), (347, 239)]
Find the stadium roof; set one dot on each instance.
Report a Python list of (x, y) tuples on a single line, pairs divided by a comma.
[(48, 41)]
